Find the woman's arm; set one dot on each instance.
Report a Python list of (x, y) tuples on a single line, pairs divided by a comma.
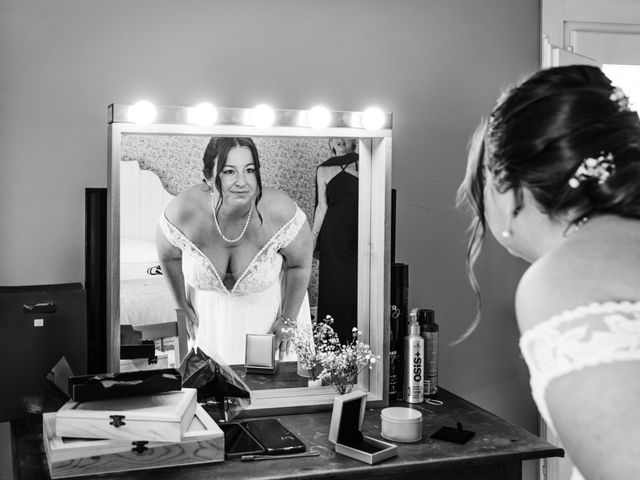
[(594, 409), (171, 260), (321, 208), (297, 259)]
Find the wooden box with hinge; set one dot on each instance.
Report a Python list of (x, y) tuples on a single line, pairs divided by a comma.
[(161, 417), (203, 442)]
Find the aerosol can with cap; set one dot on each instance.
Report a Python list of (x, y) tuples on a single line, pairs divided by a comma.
[(413, 361)]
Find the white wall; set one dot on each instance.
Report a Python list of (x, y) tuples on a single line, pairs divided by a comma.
[(438, 65)]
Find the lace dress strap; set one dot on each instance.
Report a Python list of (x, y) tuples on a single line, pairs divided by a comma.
[(582, 337), (290, 230), (172, 234)]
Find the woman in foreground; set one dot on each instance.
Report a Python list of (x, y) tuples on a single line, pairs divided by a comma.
[(554, 173)]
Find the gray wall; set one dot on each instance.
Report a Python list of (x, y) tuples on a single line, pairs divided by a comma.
[(438, 65)]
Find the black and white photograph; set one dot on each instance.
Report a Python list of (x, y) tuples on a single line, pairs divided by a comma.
[(350, 239)]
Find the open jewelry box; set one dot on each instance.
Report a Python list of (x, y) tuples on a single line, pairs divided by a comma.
[(346, 431)]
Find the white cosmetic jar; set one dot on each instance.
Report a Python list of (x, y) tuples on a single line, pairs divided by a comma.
[(401, 424)]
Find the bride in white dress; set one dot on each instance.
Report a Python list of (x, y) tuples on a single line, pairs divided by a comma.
[(237, 257), (555, 175)]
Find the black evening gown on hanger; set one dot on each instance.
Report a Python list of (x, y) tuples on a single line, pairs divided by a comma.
[(338, 255)]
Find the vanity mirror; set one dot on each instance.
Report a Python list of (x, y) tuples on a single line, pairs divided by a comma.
[(152, 163)]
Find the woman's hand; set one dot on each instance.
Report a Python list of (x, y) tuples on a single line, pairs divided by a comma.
[(192, 322), (283, 338)]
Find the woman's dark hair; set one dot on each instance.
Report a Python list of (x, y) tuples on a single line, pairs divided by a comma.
[(537, 136), (218, 150)]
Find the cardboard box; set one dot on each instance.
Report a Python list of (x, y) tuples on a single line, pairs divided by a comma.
[(71, 457), (346, 431), (162, 417)]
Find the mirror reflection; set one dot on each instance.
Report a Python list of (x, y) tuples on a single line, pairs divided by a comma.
[(240, 233)]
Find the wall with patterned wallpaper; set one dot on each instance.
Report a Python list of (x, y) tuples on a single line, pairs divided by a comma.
[(287, 163)]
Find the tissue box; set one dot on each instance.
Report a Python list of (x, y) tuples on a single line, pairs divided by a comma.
[(203, 442), (162, 417), (346, 431), (260, 354)]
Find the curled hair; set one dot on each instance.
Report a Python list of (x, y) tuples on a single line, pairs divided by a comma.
[(215, 158), (538, 134)]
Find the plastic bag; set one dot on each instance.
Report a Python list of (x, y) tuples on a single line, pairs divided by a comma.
[(221, 391)]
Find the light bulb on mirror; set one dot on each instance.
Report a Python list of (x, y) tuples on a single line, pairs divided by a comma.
[(318, 117), (262, 116), (203, 115), (142, 113), (373, 118)]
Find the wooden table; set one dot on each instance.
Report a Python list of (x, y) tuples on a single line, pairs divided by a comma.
[(496, 451)]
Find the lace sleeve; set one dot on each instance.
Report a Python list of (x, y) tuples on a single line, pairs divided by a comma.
[(290, 230), (171, 233), (585, 336)]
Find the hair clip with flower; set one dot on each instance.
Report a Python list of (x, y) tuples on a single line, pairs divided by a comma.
[(619, 97), (599, 169)]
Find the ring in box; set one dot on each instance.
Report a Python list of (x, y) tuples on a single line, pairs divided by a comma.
[(162, 417), (203, 442), (260, 353), (346, 431)]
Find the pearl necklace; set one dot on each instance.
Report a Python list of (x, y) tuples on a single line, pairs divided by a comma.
[(244, 229), (574, 227)]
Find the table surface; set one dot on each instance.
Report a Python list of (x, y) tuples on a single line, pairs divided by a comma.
[(496, 441)]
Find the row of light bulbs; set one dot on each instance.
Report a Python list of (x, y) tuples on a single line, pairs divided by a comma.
[(261, 116)]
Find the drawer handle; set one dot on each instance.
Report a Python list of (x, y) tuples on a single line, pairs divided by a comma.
[(49, 307), (139, 446), (117, 420)]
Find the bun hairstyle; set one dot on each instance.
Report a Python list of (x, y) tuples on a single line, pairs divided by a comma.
[(539, 134), (215, 158)]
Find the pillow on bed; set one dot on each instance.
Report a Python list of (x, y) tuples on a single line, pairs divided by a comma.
[(136, 258)]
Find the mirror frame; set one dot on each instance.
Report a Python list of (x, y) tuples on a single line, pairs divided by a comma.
[(373, 238)]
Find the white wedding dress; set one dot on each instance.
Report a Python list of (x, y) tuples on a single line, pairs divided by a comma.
[(251, 306), (576, 339)]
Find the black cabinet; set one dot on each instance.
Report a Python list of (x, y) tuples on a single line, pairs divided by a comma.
[(38, 326)]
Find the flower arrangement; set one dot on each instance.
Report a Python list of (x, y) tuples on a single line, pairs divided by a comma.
[(310, 346), (321, 353)]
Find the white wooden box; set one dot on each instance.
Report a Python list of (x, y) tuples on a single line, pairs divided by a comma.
[(136, 364), (346, 431), (162, 417), (71, 457)]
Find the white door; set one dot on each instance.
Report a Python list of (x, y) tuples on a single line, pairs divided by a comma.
[(605, 33)]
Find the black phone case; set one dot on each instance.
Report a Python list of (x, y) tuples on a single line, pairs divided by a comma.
[(274, 437), (238, 441)]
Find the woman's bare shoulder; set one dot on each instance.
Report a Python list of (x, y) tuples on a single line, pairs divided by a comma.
[(326, 173), (578, 273), (187, 206), (277, 206)]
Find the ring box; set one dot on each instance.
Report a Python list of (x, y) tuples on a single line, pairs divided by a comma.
[(346, 431), (260, 353)]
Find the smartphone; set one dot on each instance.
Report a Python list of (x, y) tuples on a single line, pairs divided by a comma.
[(274, 437), (238, 441)]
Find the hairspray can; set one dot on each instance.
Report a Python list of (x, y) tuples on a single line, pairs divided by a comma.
[(429, 330), (413, 361), (398, 327)]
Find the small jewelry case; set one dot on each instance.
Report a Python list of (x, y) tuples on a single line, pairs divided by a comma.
[(260, 353), (346, 431)]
